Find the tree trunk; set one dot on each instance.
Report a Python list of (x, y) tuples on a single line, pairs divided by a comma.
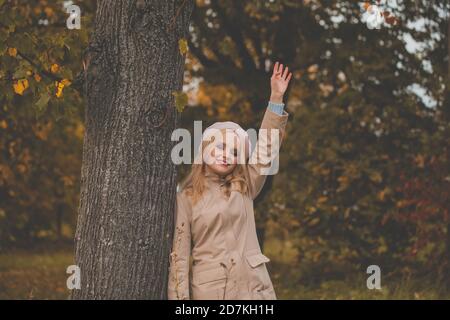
[(128, 181), (447, 113)]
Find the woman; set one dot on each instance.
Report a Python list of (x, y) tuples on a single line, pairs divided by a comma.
[(215, 221)]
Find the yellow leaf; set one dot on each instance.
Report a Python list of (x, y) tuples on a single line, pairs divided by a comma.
[(343, 183), (322, 199), (12, 52), (381, 195), (376, 177), (181, 100), (183, 46), (311, 209), (49, 11), (313, 68), (420, 161), (66, 82), (79, 130), (29, 73), (383, 246), (59, 89), (401, 203), (20, 86), (54, 68), (3, 124)]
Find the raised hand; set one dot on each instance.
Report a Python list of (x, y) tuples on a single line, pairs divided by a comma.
[(279, 82)]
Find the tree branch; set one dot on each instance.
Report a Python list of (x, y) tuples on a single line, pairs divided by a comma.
[(77, 81)]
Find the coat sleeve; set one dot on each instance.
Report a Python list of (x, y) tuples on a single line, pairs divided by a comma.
[(264, 158), (178, 284)]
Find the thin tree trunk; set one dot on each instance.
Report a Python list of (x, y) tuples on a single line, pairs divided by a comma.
[(59, 218), (447, 112), (448, 47), (128, 181)]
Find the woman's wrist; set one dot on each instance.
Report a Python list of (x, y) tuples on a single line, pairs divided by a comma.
[(276, 98)]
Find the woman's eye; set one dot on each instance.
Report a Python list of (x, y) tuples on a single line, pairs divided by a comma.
[(221, 146)]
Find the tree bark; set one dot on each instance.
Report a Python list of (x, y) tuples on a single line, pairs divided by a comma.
[(128, 181)]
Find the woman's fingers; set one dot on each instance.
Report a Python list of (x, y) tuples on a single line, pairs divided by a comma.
[(275, 68), (285, 74), (289, 77)]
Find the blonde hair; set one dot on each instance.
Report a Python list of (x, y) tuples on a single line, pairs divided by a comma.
[(194, 183)]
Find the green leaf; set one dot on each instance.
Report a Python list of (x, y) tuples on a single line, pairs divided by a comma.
[(58, 53), (225, 47), (3, 36), (181, 100), (21, 72), (66, 73), (42, 103)]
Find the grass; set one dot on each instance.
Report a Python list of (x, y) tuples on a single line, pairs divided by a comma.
[(42, 275), (357, 290), (35, 275), (288, 279)]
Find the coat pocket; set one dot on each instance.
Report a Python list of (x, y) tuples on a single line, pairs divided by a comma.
[(259, 277), (210, 275), (209, 284), (256, 259)]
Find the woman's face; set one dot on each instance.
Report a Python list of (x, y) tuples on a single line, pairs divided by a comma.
[(223, 154)]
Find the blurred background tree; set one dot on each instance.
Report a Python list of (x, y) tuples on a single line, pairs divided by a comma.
[(40, 121)]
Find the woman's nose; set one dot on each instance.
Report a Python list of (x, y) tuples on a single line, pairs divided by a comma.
[(230, 155)]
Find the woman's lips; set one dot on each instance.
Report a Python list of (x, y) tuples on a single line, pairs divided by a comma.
[(222, 163)]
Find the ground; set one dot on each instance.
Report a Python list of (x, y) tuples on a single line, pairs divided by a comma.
[(42, 274)]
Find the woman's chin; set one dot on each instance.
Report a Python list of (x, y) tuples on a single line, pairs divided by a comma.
[(222, 169)]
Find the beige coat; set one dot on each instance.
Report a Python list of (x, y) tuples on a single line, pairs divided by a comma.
[(219, 234)]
